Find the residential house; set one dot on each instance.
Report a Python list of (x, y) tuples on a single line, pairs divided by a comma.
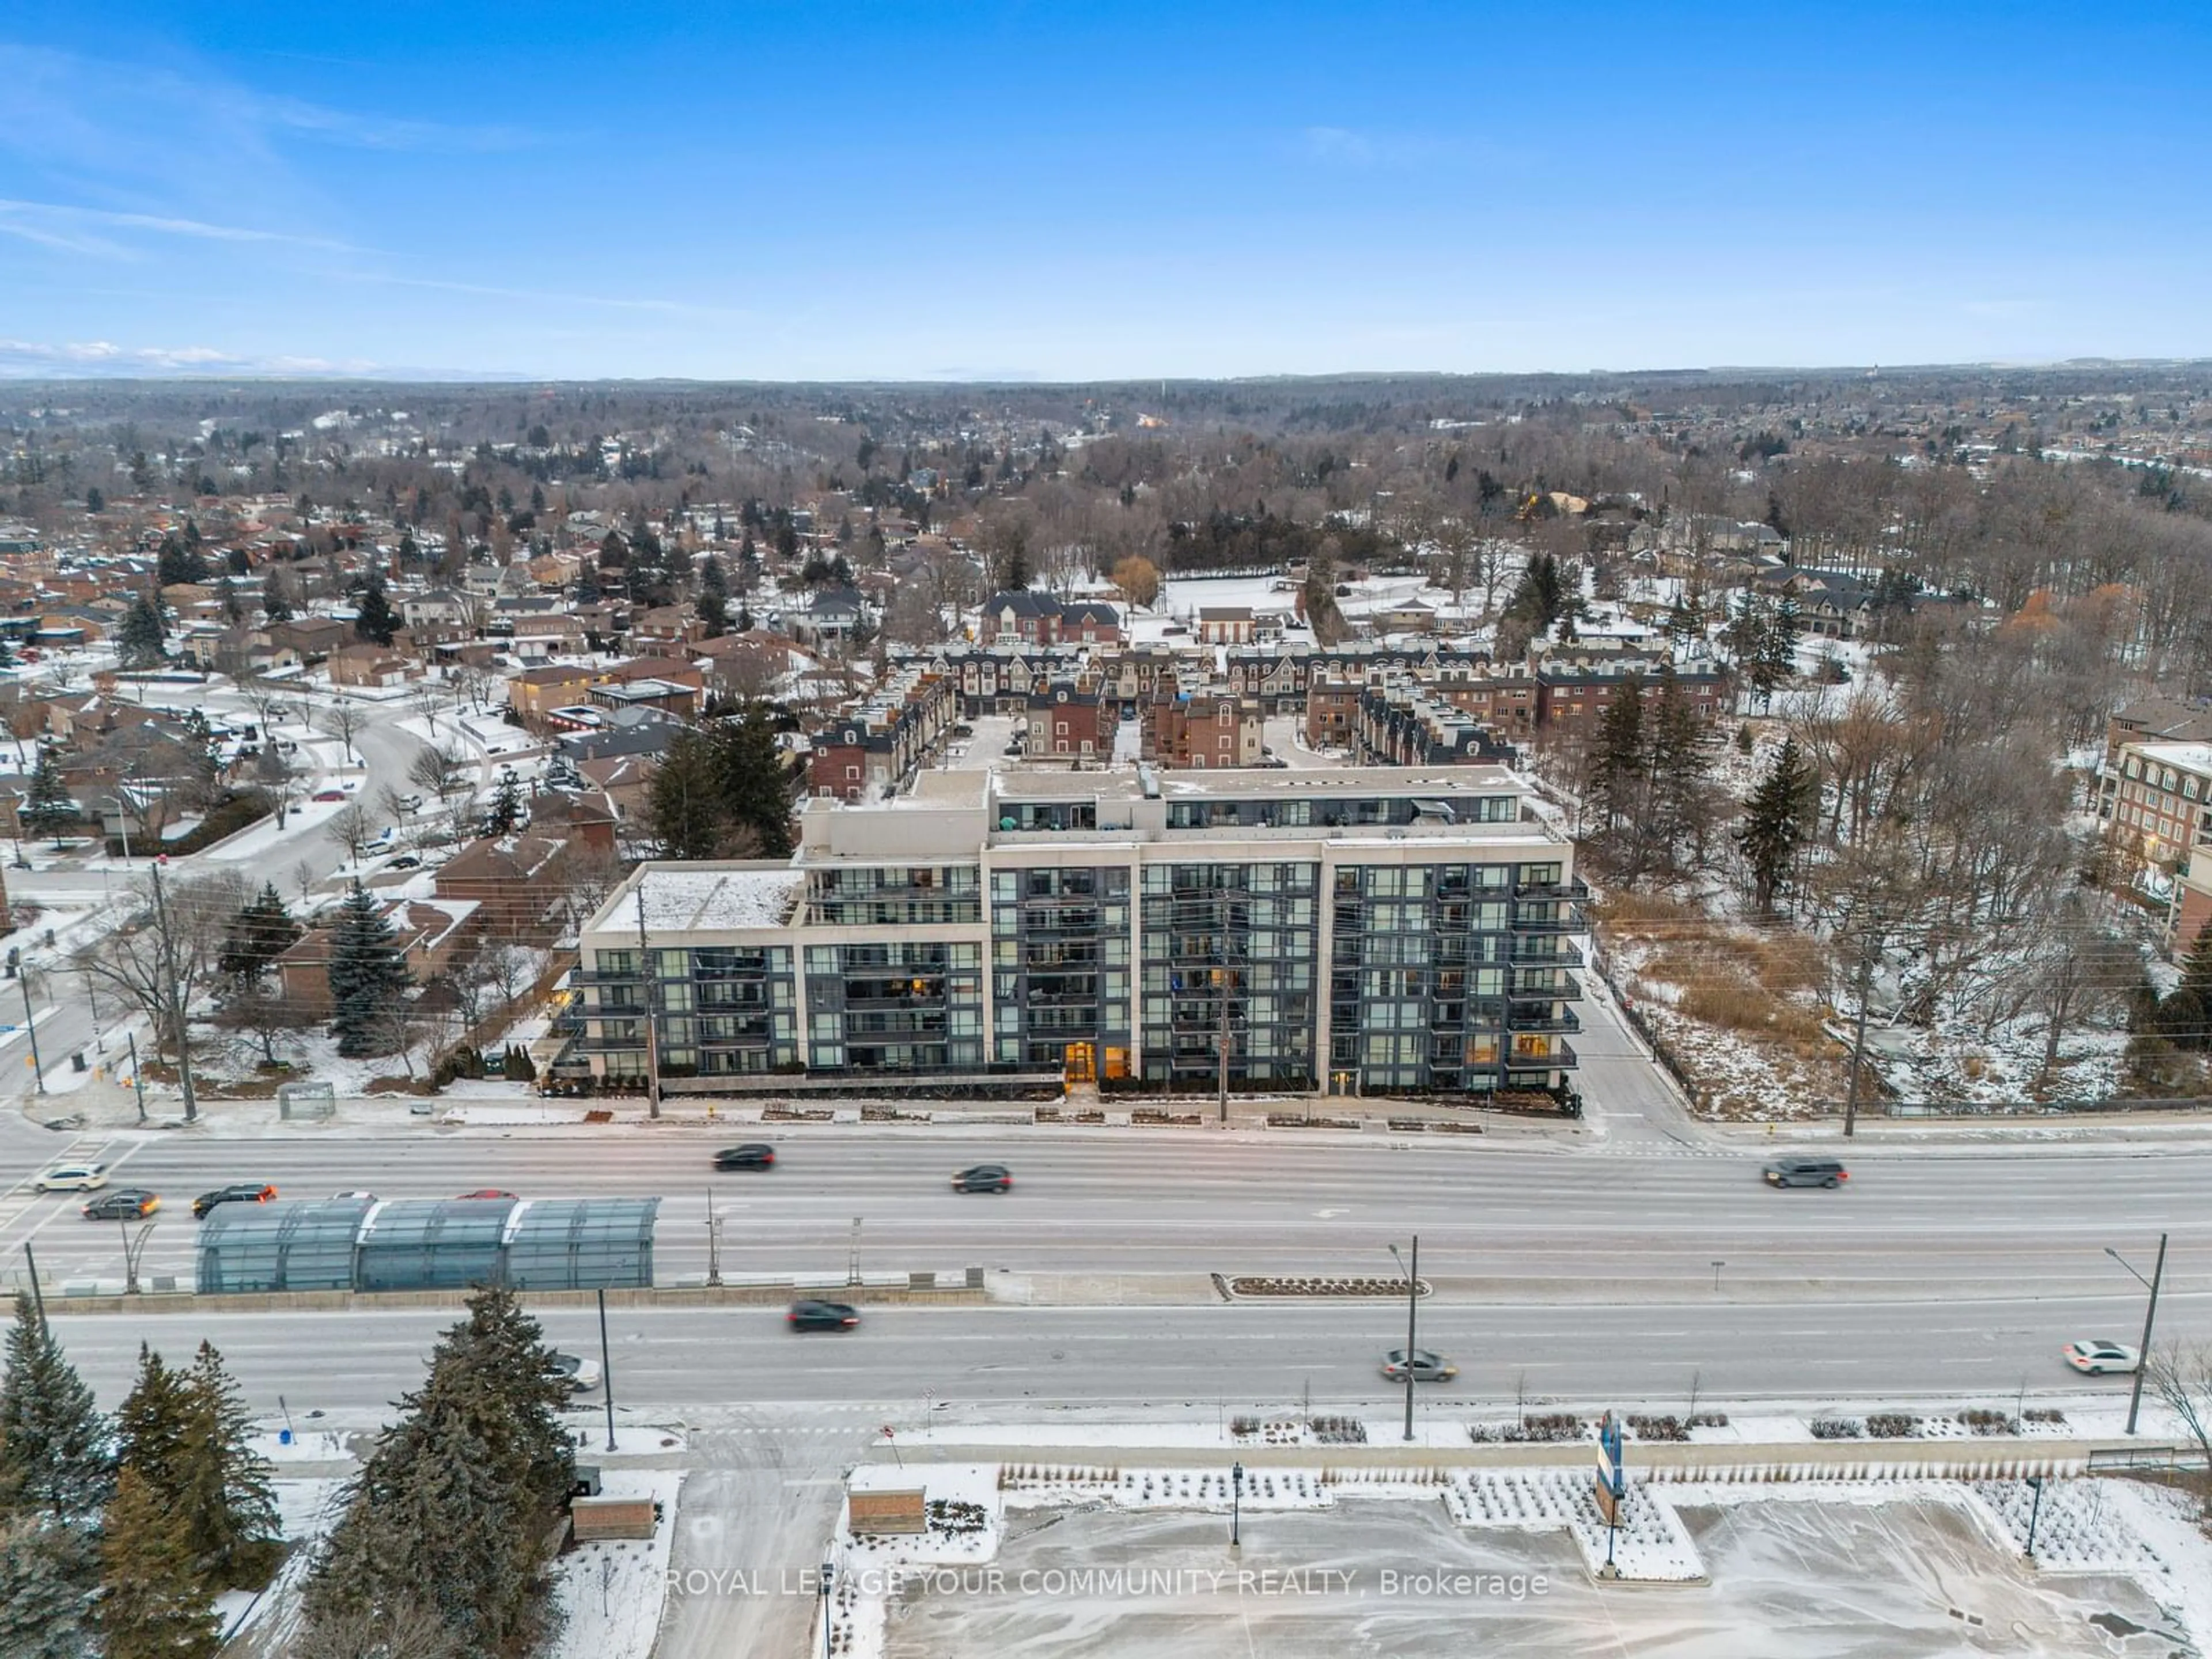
[(1069, 719), (370, 666), (429, 934), (1226, 624), (312, 639), (516, 879), (1213, 729)]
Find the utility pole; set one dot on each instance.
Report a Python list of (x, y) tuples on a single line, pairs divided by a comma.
[(31, 1024), (650, 983), (1858, 1036), (2150, 1317), (137, 1082), (175, 1000), (606, 1370)]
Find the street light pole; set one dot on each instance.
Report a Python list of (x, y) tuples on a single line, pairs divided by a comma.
[(31, 1024), (1412, 1307), (1236, 1505), (2150, 1315)]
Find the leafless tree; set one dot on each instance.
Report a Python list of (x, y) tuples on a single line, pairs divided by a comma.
[(344, 720), (353, 826), (2180, 1378), (263, 1019), (164, 956), (439, 770)]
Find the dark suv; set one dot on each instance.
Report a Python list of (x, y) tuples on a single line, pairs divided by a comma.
[(753, 1155), (984, 1178), (1806, 1172), (810, 1316), (244, 1192)]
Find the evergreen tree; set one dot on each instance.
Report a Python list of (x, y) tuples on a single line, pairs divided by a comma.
[(367, 977), (263, 930), (713, 596), (140, 639), (1678, 766), (684, 806), (57, 1461), (221, 1484), (46, 1577), (505, 811), (1774, 822), (756, 779), (49, 810), (448, 1511), (1779, 648), (1617, 762), (153, 1605), (176, 562), (150, 1427), (374, 621)]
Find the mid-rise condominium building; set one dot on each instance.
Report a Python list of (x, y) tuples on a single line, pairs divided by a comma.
[(1358, 931)]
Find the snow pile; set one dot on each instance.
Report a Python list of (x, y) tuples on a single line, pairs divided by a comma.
[(610, 1591)]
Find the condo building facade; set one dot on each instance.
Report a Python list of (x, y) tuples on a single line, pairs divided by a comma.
[(1349, 932)]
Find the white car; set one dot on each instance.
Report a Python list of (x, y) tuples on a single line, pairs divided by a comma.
[(580, 1373), (2095, 1356), (73, 1178)]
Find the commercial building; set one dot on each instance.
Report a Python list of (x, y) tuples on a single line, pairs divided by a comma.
[(1351, 931)]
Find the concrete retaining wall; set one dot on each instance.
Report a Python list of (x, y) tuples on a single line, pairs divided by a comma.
[(691, 1295)]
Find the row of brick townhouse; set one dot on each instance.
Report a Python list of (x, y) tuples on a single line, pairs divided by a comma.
[(1350, 932)]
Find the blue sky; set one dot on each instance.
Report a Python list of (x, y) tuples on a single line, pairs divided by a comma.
[(1210, 188)]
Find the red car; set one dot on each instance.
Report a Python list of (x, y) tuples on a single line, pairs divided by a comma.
[(330, 794), (487, 1192)]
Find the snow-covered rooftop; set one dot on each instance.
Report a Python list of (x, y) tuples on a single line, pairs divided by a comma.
[(708, 899)]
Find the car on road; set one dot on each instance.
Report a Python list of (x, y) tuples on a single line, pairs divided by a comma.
[(2095, 1356), (72, 1178), (405, 861), (812, 1315), (123, 1204), (1805, 1172), (330, 794), (485, 1192), (356, 1193), (753, 1155), (579, 1372), (984, 1178), (243, 1192), (1428, 1366)]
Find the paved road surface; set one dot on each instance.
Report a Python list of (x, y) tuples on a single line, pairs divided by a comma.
[(1528, 1223)]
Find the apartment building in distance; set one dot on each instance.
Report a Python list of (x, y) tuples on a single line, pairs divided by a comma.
[(1343, 932)]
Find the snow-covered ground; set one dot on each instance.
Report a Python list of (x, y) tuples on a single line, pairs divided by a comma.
[(610, 1591)]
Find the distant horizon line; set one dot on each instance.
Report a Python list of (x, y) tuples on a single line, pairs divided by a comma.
[(21, 377)]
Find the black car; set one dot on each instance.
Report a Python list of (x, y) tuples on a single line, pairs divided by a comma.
[(123, 1204), (984, 1178), (245, 1192), (753, 1155), (810, 1316)]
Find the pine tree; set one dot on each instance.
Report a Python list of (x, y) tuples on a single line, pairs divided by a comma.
[(1774, 822), (50, 809), (1679, 763), (685, 806), (47, 1574), (176, 562), (375, 620), (713, 596), (1617, 763), (505, 811), (150, 1427), (263, 930), (276, 603), (1779, 650), (756, 779), (56, 1457), (140, 638), (447, 1512), (367, 977), (221, 1484), (153, 1605)]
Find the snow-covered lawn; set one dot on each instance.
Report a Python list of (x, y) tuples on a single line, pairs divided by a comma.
[(610, 1591)]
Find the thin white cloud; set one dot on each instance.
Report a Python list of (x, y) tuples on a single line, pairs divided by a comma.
[(26, 359), (48, 222)]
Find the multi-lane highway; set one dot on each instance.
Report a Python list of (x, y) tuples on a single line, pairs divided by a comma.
[(1587, 1269)]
